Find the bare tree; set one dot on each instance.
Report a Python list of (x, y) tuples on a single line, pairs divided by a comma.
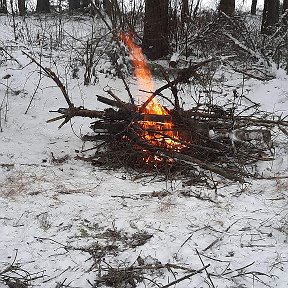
[(43, 6), (3, 6), (227, 6), (253, 7), (155, 38), (21, 7), (270, 15)]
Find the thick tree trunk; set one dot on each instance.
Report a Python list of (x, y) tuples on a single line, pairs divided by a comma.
[(107, 6), (43, 6), (3, 6), (285, 6), (21, 7), (74, 4), (227, 7), (85, 3), (253, 7), (155, 38), (184, 11), (270, 16)]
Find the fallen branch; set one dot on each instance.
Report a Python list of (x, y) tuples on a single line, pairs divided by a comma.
[(186, 277)]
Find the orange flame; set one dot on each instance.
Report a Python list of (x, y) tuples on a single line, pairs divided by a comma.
[(142, 73), (165, 137)]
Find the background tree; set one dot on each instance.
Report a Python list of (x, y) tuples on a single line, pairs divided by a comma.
[(21, 7), (285, 12), (270, 15), (155, 38), (85, 3), (74, 5), (253, 7), (3, 6), (184, 11), (43, 6), (113, 11), (196, 8), (285, 6), (227, 6)]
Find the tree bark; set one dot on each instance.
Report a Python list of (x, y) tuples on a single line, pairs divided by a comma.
[(43, 6), (184, 11), (285, 11), (155, 38), (74, 5), (253, 7), (85, 3), (227, 7), (3, 6), (285, 6), (21, 7), (270, 16)]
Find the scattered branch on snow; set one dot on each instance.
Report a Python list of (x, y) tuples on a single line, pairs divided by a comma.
[(16, 277)]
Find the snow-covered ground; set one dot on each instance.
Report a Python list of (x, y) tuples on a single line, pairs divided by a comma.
[(61, 218)]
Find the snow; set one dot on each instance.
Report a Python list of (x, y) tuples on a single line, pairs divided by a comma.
[(50, 210)]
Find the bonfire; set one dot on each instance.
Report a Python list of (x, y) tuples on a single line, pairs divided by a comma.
[(196, 143)]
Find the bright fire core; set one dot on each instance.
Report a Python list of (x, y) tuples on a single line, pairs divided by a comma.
[(159, 134)]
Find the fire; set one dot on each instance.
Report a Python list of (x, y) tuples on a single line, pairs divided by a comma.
[(159, 134)]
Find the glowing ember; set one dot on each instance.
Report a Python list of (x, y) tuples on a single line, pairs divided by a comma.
[(159, 134)]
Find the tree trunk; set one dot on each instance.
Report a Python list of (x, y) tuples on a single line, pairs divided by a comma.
[(184, 11), (285, 6), (155, 38), (74, 5), (107, 6), (3, 6), (43, 6), (227, 7), (270, 16), (285, 11), (253, 7), (85, 3), (21, 7)]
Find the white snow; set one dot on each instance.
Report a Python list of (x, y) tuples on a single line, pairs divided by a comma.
[(48, 209)]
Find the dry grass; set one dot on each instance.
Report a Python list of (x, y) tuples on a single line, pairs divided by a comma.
[(19, 183)]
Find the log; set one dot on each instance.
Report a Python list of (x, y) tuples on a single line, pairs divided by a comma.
[(120, 102), (108, 101), (110, 114)]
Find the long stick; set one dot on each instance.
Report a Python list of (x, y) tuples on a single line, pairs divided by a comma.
[(185, 277)]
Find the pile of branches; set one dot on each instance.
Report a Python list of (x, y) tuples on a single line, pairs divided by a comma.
[(213, 140)]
